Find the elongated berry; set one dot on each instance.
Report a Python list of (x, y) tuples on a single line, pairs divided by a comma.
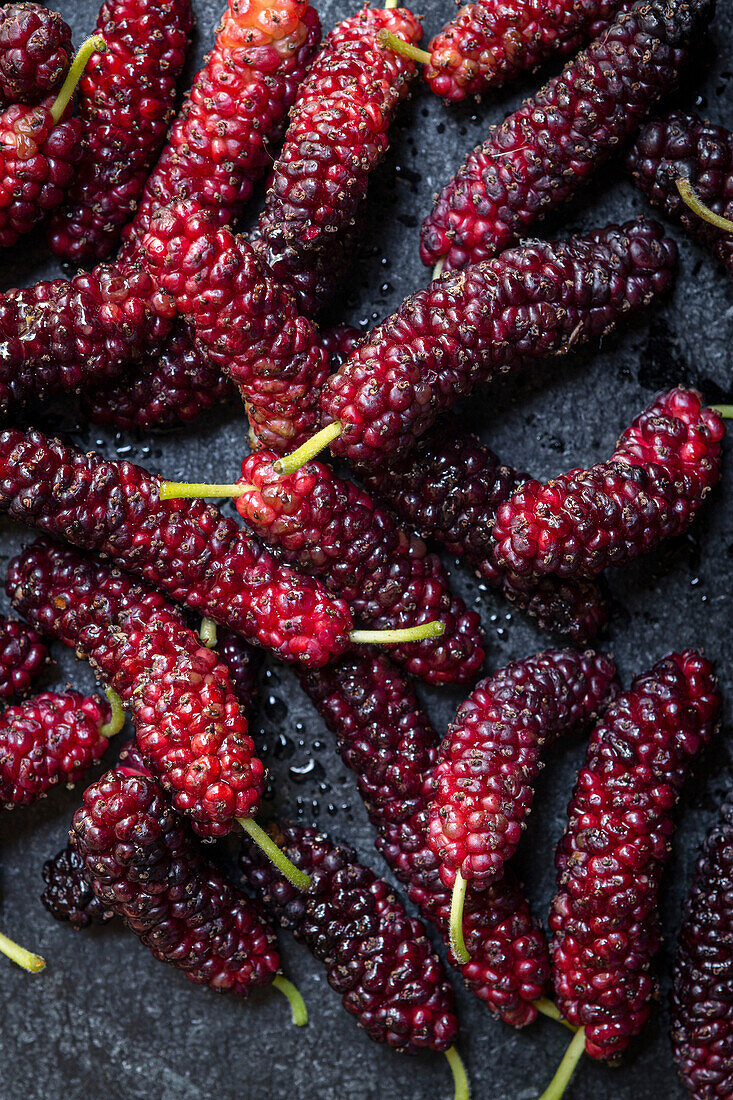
[(539, 157), (35, 52), (144, 865), (23, 653), (530, 303), (125, 104), (448, 488), (244, 322), (189, 549), (384, 735), (68, 895), (483, 782), (50, 739), (650, 489), (492, 42), (702, 1001), (680, 146), (338, 134), (604, 916)]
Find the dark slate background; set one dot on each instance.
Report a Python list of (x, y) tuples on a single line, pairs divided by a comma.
[(106, 1019)]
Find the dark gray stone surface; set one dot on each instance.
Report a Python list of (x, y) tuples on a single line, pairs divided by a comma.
[(105, 1019)]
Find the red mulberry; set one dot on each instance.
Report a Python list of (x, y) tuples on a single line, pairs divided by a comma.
[(22, 656), (35, 52), (539, 156), (68, 896), (125, 105), (532, 302), (338, 134), (604, 915), (702, 1003), (651, 488)]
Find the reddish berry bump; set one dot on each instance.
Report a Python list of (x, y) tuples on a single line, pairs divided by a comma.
[(35, 52), (23, 654)]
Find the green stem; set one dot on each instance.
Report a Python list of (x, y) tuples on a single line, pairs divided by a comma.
[(297, 1004), (269, 847), (726, 411), (457, 942), (95, 44), (697, 206), (117, 718), (460, 1077), (549, 1008), (393, 42), (207, 633), (308, 450), (419, 633), (30, 962), (178, 490), (438, 269), (565, 1070)]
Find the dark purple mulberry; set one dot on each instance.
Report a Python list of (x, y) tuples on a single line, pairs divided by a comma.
[(68, 896)]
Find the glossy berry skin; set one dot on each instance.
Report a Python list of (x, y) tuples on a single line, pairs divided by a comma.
[(492, 42), (448, 488), (38, 157), (340, 341), (46, 740), (23, 654), (532, 302), (242, 662), (679, 145), (245, 323), (383, 735), (604, 915), (483, 783), (65, 336), (169, 388), (144, 865), (651, 488), (325, 525), (125, 102), (190, 729), (35, 52), (538, 158), (338, 134), (377, 957), (702, 1000), (219, 145), (188, 549), (68, 896)]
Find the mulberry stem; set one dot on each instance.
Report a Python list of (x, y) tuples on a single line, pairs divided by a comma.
[(26, 959), (565, 1070), (297, 877), (418, 633), (726, 411), (394, 42), (460, 1077), (308, 450), (180, 490), (207, 633), (438, 269), (697, 206), (95, 44), (117, 718), (549, 1008), (297, 1004), (457, 942)]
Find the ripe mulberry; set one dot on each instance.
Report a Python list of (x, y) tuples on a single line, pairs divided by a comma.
[(68, 896), (22, 656), (35, 52)]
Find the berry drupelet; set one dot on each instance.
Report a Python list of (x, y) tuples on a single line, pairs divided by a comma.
[(144, 866), (702, 1001), (492, 42), (35, 52), (242, 662), (189, 549), (483, 781), (324, 525), (68, 895), (604, 915), (244, 322), (23, 654), (378, 958), (50, 739), (448, 488), (385, 736), (531, 302), (539, 156), (679, 148), (650, 489), (125, 104), (338, 134)]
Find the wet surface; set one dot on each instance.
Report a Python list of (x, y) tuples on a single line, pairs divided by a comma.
[(106, 1019)]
